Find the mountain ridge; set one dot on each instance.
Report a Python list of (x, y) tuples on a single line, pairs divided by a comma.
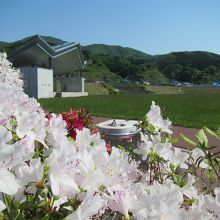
[(115, 50), (56, 40)]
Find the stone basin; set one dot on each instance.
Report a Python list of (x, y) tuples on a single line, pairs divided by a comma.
[(118, 127)]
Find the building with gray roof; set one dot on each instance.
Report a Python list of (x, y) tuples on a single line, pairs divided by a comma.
[(49, 70)]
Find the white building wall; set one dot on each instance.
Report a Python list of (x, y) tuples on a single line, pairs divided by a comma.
[(29, 76), (39, 83), (83, 84), (45, 83)]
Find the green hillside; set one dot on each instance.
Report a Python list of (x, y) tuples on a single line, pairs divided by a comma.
[(115, 51), (98, 72)]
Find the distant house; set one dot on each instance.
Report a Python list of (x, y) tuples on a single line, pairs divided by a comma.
[(47, 70)]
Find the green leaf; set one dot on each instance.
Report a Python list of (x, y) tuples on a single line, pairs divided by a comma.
[(151, 128), (174, 140), (209, 131), (13, 122), (122, 148), (202, 139), (189, 141)]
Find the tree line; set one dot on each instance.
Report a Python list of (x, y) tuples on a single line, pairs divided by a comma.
[(194, 67)]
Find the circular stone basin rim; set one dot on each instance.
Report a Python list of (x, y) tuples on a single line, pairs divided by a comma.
[(121, 127)]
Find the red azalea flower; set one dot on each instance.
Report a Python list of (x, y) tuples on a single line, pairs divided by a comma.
[(73, 134), (108, 148), (48, 117), (68, 121), (94, 131), (73, 114), (76, 119), (79, 124)]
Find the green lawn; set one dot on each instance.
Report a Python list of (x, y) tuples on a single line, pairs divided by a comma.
[(186, 110)]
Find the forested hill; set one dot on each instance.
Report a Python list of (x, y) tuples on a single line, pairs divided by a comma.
[(193, 67), (197, 66), (117, 51), (106, 62), (197, 59)]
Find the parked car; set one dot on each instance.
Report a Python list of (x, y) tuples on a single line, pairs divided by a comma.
[(175, 83), (187, 84), (146, 83)]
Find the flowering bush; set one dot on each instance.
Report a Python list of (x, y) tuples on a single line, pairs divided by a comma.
[(75, 120), (46, 175)]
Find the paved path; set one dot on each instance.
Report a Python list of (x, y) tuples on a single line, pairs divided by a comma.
[(189, 132)]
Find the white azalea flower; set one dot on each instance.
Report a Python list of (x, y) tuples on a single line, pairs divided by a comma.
[(11, 99), (178, 157), (28, 174), (8, 75), (3, 121), (180, 215), (30, 120), (90, 206), (16, 153), (199, 210), (5, 148), (8, 184), (165, 150), (5, 136), (31, 124), (56, 130), (159, 201), (106, 175), (60, 201), (91, 173), (188, 189), (214, 203), (85, 139), (198, 153), (154, 117), (121, 202), (144, 148), (90, 177), (62, 164), (2, 206)]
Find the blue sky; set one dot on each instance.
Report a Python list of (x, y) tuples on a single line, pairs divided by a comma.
[(152, 26)]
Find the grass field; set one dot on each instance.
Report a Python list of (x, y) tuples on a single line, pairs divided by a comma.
[(185, 110)]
